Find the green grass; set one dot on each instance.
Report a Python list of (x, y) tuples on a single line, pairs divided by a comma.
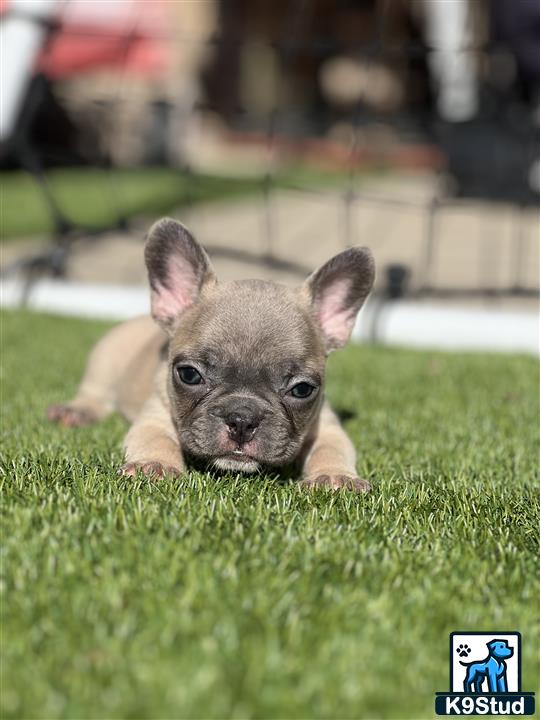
[(95, 198), (245, 597)]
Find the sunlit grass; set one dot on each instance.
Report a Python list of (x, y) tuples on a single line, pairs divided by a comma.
[(206, 597)]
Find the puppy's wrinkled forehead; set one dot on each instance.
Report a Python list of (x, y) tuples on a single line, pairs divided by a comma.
[(251, 322)]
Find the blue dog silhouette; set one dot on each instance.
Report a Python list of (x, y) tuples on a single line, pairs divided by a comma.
[(493, 668)]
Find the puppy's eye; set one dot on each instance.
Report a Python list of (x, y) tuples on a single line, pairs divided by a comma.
[(302, 390), (188, 375)]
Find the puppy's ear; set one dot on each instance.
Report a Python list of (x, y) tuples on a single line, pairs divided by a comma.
[(178, 269), (337, 291)]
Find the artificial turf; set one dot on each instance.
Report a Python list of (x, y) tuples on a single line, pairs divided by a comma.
[(247, 597)]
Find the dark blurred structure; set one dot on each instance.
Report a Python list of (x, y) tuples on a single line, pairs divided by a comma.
[(302, 44), (367, 62), (352, 84), (516, 26)]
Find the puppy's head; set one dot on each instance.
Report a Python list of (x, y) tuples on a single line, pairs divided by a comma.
[(246, 359)]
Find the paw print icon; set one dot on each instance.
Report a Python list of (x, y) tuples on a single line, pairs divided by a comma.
[(463, 650)]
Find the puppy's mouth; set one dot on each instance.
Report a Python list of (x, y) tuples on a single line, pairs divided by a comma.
[(238, 461)]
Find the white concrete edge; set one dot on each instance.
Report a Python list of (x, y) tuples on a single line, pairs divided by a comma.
[(445, 327), (405, 322), (107, 302)]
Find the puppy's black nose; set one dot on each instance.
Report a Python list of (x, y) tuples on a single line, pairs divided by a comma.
[(242, 425)]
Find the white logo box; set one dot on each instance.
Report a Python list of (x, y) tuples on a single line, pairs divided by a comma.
[(477, 642)]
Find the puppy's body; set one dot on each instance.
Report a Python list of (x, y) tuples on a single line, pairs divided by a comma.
[(120, 372), (234, 376)]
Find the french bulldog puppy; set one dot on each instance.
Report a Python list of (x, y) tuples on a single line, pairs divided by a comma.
[(228, 374)]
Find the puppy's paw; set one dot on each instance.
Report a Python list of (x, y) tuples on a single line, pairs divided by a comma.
[(150, 468), (69, 416), (337, 481)]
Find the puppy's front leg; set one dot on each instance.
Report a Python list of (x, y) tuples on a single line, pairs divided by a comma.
[(331, 459), (151, 445)]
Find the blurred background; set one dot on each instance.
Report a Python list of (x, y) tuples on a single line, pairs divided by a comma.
[(280, 132)]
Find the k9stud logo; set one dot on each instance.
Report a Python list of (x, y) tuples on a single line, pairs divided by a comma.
[(485, 676)]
